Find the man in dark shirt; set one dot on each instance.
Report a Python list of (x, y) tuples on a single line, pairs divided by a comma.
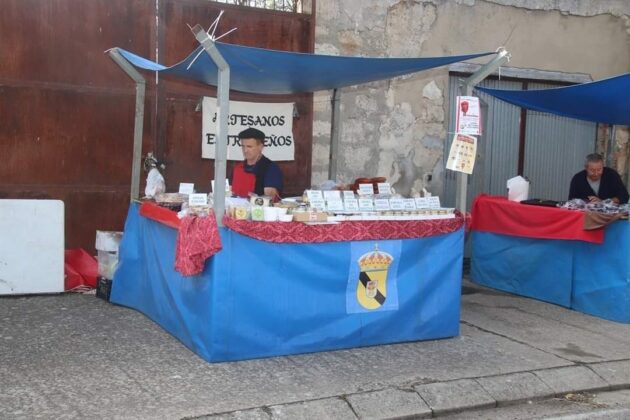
[(256, 173), (596, 182)]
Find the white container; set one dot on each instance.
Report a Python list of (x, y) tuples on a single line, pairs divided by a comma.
[(285, 217), (518, 188), (270, 214), (107, 243)]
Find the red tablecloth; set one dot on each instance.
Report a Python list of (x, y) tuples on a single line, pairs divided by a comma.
[(280, 232), (160, 214), (499, 215)]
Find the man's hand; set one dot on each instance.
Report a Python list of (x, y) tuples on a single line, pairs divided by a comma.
[(594, 199)]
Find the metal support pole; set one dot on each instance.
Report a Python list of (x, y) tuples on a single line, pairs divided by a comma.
[(138, 121), (467, 90), (335, 122), (223, 104)]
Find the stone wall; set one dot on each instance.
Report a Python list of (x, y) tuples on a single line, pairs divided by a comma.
[(397, 128)]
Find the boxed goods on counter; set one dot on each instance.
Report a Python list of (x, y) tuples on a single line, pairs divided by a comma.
[(310, 216)]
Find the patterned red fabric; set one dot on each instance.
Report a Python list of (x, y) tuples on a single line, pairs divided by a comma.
[(197, 240), (295, 232), (499, 215)]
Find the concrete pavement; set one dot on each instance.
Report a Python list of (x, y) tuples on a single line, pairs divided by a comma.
[(76, 356)]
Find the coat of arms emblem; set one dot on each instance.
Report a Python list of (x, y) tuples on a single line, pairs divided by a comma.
[(372, 284)]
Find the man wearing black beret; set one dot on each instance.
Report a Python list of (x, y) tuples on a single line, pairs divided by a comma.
[(256, 173)]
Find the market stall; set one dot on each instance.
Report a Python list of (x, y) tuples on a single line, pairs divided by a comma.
[(548, 254), (380, 275), (257, 298)]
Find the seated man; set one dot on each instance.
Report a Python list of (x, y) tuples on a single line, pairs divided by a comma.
[(256, 173), (596, 182)]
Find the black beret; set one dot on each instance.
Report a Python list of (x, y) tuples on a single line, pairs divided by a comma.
[(252, 133)]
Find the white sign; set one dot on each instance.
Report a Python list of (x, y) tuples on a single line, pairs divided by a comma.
[(351, 204), (381, 204), (422, 202), (366, 189), (273, 119), (366, 204), (318, 204), (186, 188), (348, 195), (335, 204), (332, 195), (468, 120), (462, 155), (397, 203), (384, 188), (314, 195), (198, 199), (434, 202), (409, 203)]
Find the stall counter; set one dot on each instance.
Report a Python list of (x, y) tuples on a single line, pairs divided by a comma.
[(257, 299), (515, 249)]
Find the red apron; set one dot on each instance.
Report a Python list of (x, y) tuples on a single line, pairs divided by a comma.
[(243, 182)]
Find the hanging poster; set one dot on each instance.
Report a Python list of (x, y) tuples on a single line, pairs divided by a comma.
[(273, 119), (468, 120), (462, 155)]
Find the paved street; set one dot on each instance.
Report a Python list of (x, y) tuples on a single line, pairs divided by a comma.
[(76, 356)]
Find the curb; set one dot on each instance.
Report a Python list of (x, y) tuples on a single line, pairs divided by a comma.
[(428, 400)]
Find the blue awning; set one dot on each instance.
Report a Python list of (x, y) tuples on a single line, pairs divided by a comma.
[(604, 101), (256, 70)]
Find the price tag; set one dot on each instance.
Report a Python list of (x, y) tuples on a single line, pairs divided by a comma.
[(197, 199), (348, 195), (397, 203), (314, 195), (335, 204), (366, 189), (351, 204), (384, 188), (227, 184), (366, 204), (318, 204), (434, 202), (186, 188), (381, 204), (422, 203), (409, 204), (332, 195)]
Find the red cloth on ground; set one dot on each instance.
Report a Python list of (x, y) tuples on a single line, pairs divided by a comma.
[(499, 215), (197, 240), (80, 269), (296, 232)]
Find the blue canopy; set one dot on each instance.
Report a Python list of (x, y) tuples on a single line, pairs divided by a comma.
[(604, 101), (256, 70)]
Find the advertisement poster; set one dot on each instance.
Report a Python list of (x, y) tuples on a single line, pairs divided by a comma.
[(468, 120), (462, 155), (273, 119)]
